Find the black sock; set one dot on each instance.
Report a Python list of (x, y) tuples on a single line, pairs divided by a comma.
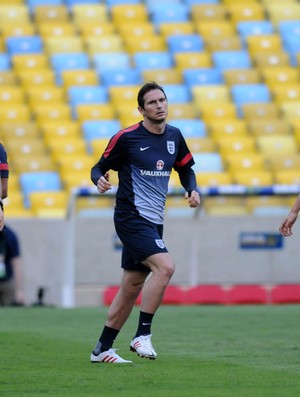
[(145, 321), (106, 340)]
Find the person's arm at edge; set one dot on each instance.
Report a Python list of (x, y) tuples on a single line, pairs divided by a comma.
[(287, 225)]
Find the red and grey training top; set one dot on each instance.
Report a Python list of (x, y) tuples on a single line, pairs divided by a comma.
[(3, 162), (144, 162)]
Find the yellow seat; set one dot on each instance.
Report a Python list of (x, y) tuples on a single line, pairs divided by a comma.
[(277, 145), (208, 12), (145, 43), (284, 162), (89, 13), (287, 177), (223, 43), (236, 144), (283, 12), (203, 94), (51, 111), (98, 146), (182, 111), (242, 76), (76, 162), (56, 29), (270, 127), (131, 13), (40, 94), (175, 28), (12, 130), (215, 28), (18, 29), (120, 95), (104, 43), (191, 60), (128, 112), (286, 92), (72, 180), (7, 78), (95, 29), (64, 147), (295, 126), (14, 13), (263, 204), (14, 112), (136, 29), (280, 75), (60, 128), (50, 204), (225, 206), (264, 43), (13, 95), (213, 179), (290, 110), (65, 44), (253, 178), (51, 13), (245, 161), (163, 76), (34, 162), (95, 112), (261, 110), (79, 77), (226, 127), (26, 62), (14, 205), (36, 77), (217, 111), (274, 59), (197, 145), (23, 146), (246, 11)]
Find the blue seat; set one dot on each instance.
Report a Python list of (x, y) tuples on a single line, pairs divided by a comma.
[(4, 62), (190, 128), (236, 59), (153, 60), (39, 181), (291, 45), (249, 28), (34, 3), (61, 62), (177, 93), (24, 45), (249, 93), (202, 76), (93, 129), (162, 13), (71, 3), (208, 162), (80, 95), (111, 3), (289, 29), (120, 77), (111, 60), (185, 42)]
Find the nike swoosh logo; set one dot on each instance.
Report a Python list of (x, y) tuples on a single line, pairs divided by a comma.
[(144, 148), (146, 323)]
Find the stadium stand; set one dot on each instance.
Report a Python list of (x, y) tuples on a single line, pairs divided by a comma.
[(230, 70)]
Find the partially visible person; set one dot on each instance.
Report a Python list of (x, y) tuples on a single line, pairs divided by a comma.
[(11, 275), (3, 185), (286, 228)]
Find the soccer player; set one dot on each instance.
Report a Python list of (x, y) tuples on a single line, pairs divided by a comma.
[(4, 184), (144, 156), (287, 225)]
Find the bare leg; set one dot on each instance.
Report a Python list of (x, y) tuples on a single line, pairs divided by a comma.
[(162, 268), (121, 307)]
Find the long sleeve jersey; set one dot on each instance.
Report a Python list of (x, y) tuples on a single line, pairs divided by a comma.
[(144, 162)]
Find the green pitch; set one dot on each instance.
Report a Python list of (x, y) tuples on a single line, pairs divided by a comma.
[(203, 351)]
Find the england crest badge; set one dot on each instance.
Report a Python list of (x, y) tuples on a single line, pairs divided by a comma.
[(171, 147)]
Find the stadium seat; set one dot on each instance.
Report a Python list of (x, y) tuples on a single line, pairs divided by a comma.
[(188, 60), (274, 59), (15, 112), (277, 145), (75, 162), (236, 144), (78, 77), (280, 75), (267, 205), (63, 44), (152, 60), (39, 94), (14, 13), (205, 76), (177, 93), (24, 145), (51, 111), (87, 94), (20, 129), (24, 45), (285, 294), (223, 127), (286, 92), (245, 161), (242, 76), (226, 43), (208, 162), (163, 76), (253, 178), (104, 43), (89, 13), (94, 129), (123, 94), (56, 29), (284, 162), (137, 29), (36, 77), (214, 179), (152, 43), (34, 162), (50, 13), (249, 93), (279, 12), (208, 12), (120, 76), (250, 28), (210, 93), (49, 204), (111, 60), (246, 11), (176, 28), (290, 110), (206, 294), (61, 62), (225, 206), (247, 295), (104, 111), (260, 110), (231, 59), (215, 28), (21, 62), (182, 111), (60, 128), (11, 95), (18, 29), (185, 42), (190, 127), (131, 13), (162, 13), (211, 111), (4, 62), (264, 43), (270, 126), (203, 145), (94, 29)]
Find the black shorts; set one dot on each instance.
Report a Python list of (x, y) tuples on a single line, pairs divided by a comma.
[(140, 238)]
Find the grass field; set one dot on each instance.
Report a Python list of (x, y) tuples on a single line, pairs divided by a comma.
[(209, 351)]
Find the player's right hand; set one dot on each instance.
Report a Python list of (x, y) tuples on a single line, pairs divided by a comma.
[(103, 183)]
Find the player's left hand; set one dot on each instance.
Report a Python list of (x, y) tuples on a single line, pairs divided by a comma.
[(193, 199)]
